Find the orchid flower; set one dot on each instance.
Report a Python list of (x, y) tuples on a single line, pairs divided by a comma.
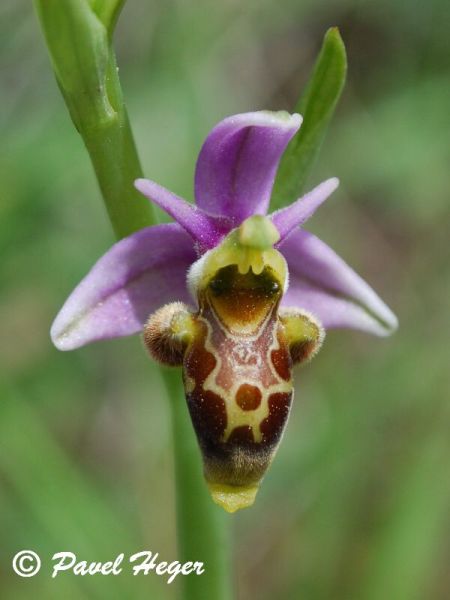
[(235, 296)]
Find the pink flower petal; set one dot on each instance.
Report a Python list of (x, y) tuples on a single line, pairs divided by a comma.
[(238, 162), (205, 229), (321, 282), (288, 218), (135, 277)]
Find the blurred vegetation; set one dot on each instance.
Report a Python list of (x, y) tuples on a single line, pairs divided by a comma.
[(356, 506)]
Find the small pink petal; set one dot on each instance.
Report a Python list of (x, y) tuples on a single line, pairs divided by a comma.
[(205, 229), (288, 218)]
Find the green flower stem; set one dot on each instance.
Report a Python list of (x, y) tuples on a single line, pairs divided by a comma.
[(203, 526), (78, 38), (116, 163), (78, 35)]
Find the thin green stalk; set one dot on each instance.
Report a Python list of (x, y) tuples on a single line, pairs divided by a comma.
[(79, 42), (78, 35), (115, 160)]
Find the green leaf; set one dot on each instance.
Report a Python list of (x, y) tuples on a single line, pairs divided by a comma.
[(317, 105)]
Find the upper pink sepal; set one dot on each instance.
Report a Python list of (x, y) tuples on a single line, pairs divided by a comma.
[(238, 162)]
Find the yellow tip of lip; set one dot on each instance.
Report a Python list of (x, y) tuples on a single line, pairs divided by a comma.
[(232, 498)]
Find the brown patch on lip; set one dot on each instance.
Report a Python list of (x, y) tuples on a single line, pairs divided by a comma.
[(207, 409), (198, 362), (272, 426), (301, 351), (248, 397), (208, 414), (243, 299), (242, 435), (281, 358), (241, 462)]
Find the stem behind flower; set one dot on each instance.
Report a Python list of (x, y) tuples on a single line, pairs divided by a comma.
[(203, 532), (78, 35), (79, 44)]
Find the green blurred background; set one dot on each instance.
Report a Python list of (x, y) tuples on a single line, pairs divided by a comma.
[(356, 506)]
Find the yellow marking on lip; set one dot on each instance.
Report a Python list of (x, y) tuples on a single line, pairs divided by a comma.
[(250, 246), (231, 497), (189, 384), (237, 417)]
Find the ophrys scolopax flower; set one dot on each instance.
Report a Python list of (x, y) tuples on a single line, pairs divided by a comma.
[(234, 296)]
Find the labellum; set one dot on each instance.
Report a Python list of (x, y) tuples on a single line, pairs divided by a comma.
[(237, 351)]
